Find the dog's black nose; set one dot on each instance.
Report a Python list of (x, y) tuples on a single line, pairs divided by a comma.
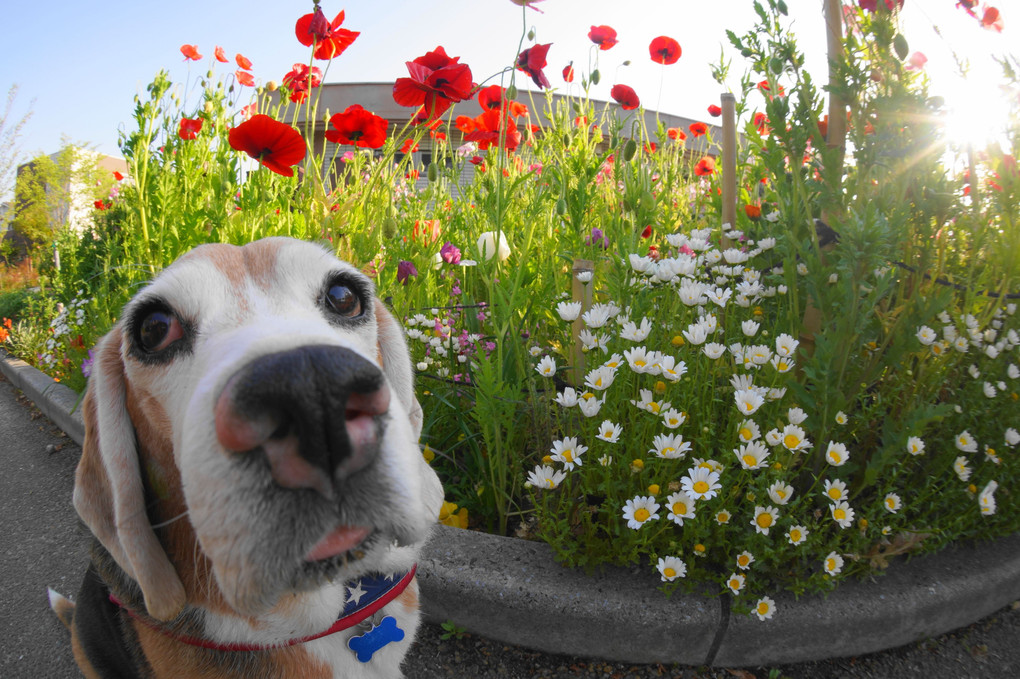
[(315, 411)]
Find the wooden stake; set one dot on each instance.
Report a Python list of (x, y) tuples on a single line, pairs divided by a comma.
[(729, 163), (835, 136), (580, 292)]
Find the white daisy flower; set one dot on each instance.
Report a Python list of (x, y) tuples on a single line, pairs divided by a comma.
[(701, 483), (546, 367), (696, 334), (638, 359), (1012, 437), (722, 517), (600, 378), (671, 369), (749, 328), (926, 335), (714, 350), (965, 442), (961, 344), (545, 477), (752, 455), (606, 461), (680, 506), (609, 431), (639, 510), (833, 563), (567, 398), (584, 276), (749, 431), (673, 418), (989, 390), (794, 438), (671, 568), (568, 451), (748, 401), (986, 498), (796, 415), (590, 406), (780, 492), (774, 437), (669, 446), (836, 454), (835, 490), (744, 560), (569, 311), (1012, 371), (757, 355), (915, 446), (843, 514), (635, 333), (764, 519), (892, 503), (596, 317), (961, 468), (797, 534), (782, 364), (841, 418), (719, 296), (765, 607), (735, 582), (535, 350)]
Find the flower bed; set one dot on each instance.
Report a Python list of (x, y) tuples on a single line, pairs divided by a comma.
[(604, 364)]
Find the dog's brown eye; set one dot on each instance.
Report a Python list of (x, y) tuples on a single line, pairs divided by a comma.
[(343, 300), (158, 330)]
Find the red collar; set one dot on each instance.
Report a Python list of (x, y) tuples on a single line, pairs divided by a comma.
[(367, 596)]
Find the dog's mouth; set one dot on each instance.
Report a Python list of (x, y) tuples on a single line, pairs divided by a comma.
[(342, 540)]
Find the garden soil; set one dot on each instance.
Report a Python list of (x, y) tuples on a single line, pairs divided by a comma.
[(42, 545)]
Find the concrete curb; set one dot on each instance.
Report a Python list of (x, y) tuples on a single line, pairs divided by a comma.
[(513, 591)]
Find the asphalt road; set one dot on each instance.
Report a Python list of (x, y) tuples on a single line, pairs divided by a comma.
[(42, 545)]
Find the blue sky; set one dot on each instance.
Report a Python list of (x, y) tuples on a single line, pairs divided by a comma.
[(83, 61)]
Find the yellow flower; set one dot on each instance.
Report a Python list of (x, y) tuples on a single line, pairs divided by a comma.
[(449, 515), (653, 489), (637, 464), (428, 454), (678, 341)]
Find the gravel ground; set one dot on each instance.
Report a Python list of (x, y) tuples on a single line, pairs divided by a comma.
[(988, 648)]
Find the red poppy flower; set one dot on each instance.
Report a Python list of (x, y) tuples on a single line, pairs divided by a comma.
[(753, 212), (532, 61), (625, 96), (245, 78), (357, 127), (992, 19), (329, 39), (190, 52), (249, 110), (676, 134), (664, 50), (189, 128), (603, 36), (243, 61), (761, 122), (220, 55), (495, 126), (437, 81), (99, 205), (490, 97), (917, 61), (647, 233), (698, 129), (705, 167), (118, 176), (714, 111), (409, 146), (274, 144), (568, 72), (300, 79)]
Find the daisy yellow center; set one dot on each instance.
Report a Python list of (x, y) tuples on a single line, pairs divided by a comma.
[(839, 514), (891, 503), (834, 493), (639, 363), (667, 451), (641, 515), (835, 456), (722, 517), (679, 508), (673, 420), (963, 440), (795, 535), (749, 407), (782, 366), (936, 349), (764, 519), (763, 607), (550, 483), (791, 440), (701, 487), (700, 548), (654, 407), (669, 572), (750, 460), (742, 560), (734, 584), (780, 493), (567, 455), (745, 434), (830, 564), (598, 382)]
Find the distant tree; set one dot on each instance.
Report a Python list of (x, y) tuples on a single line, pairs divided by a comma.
[(10, 151)]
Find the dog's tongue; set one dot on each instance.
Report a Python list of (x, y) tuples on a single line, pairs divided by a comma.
[(340, 540)]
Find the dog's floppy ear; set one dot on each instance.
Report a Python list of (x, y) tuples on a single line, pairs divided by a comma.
[(396, 363), (108, 492)]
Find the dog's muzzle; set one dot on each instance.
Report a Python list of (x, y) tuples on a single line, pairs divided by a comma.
[(316, 412)]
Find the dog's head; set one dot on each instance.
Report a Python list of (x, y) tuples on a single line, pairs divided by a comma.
[(256, 405)]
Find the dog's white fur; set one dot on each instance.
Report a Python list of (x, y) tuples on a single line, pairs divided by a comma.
[(241, 304)]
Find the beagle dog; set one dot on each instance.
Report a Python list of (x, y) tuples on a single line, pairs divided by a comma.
[(252, 476)]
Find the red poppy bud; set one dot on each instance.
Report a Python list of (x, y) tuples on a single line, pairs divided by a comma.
[(568, 72), (647, 233), (714, 111), (319, 27)]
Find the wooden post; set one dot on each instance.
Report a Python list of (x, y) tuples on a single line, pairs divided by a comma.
[(580, 292), (835, 135), (972, 181), (729, 163)]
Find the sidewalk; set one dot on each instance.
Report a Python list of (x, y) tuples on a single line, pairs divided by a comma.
[(43, 545)]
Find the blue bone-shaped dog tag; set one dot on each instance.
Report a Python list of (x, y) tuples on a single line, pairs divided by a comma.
[(367, 644)]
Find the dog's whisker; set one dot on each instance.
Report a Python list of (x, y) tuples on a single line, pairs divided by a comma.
[(169, 521)]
